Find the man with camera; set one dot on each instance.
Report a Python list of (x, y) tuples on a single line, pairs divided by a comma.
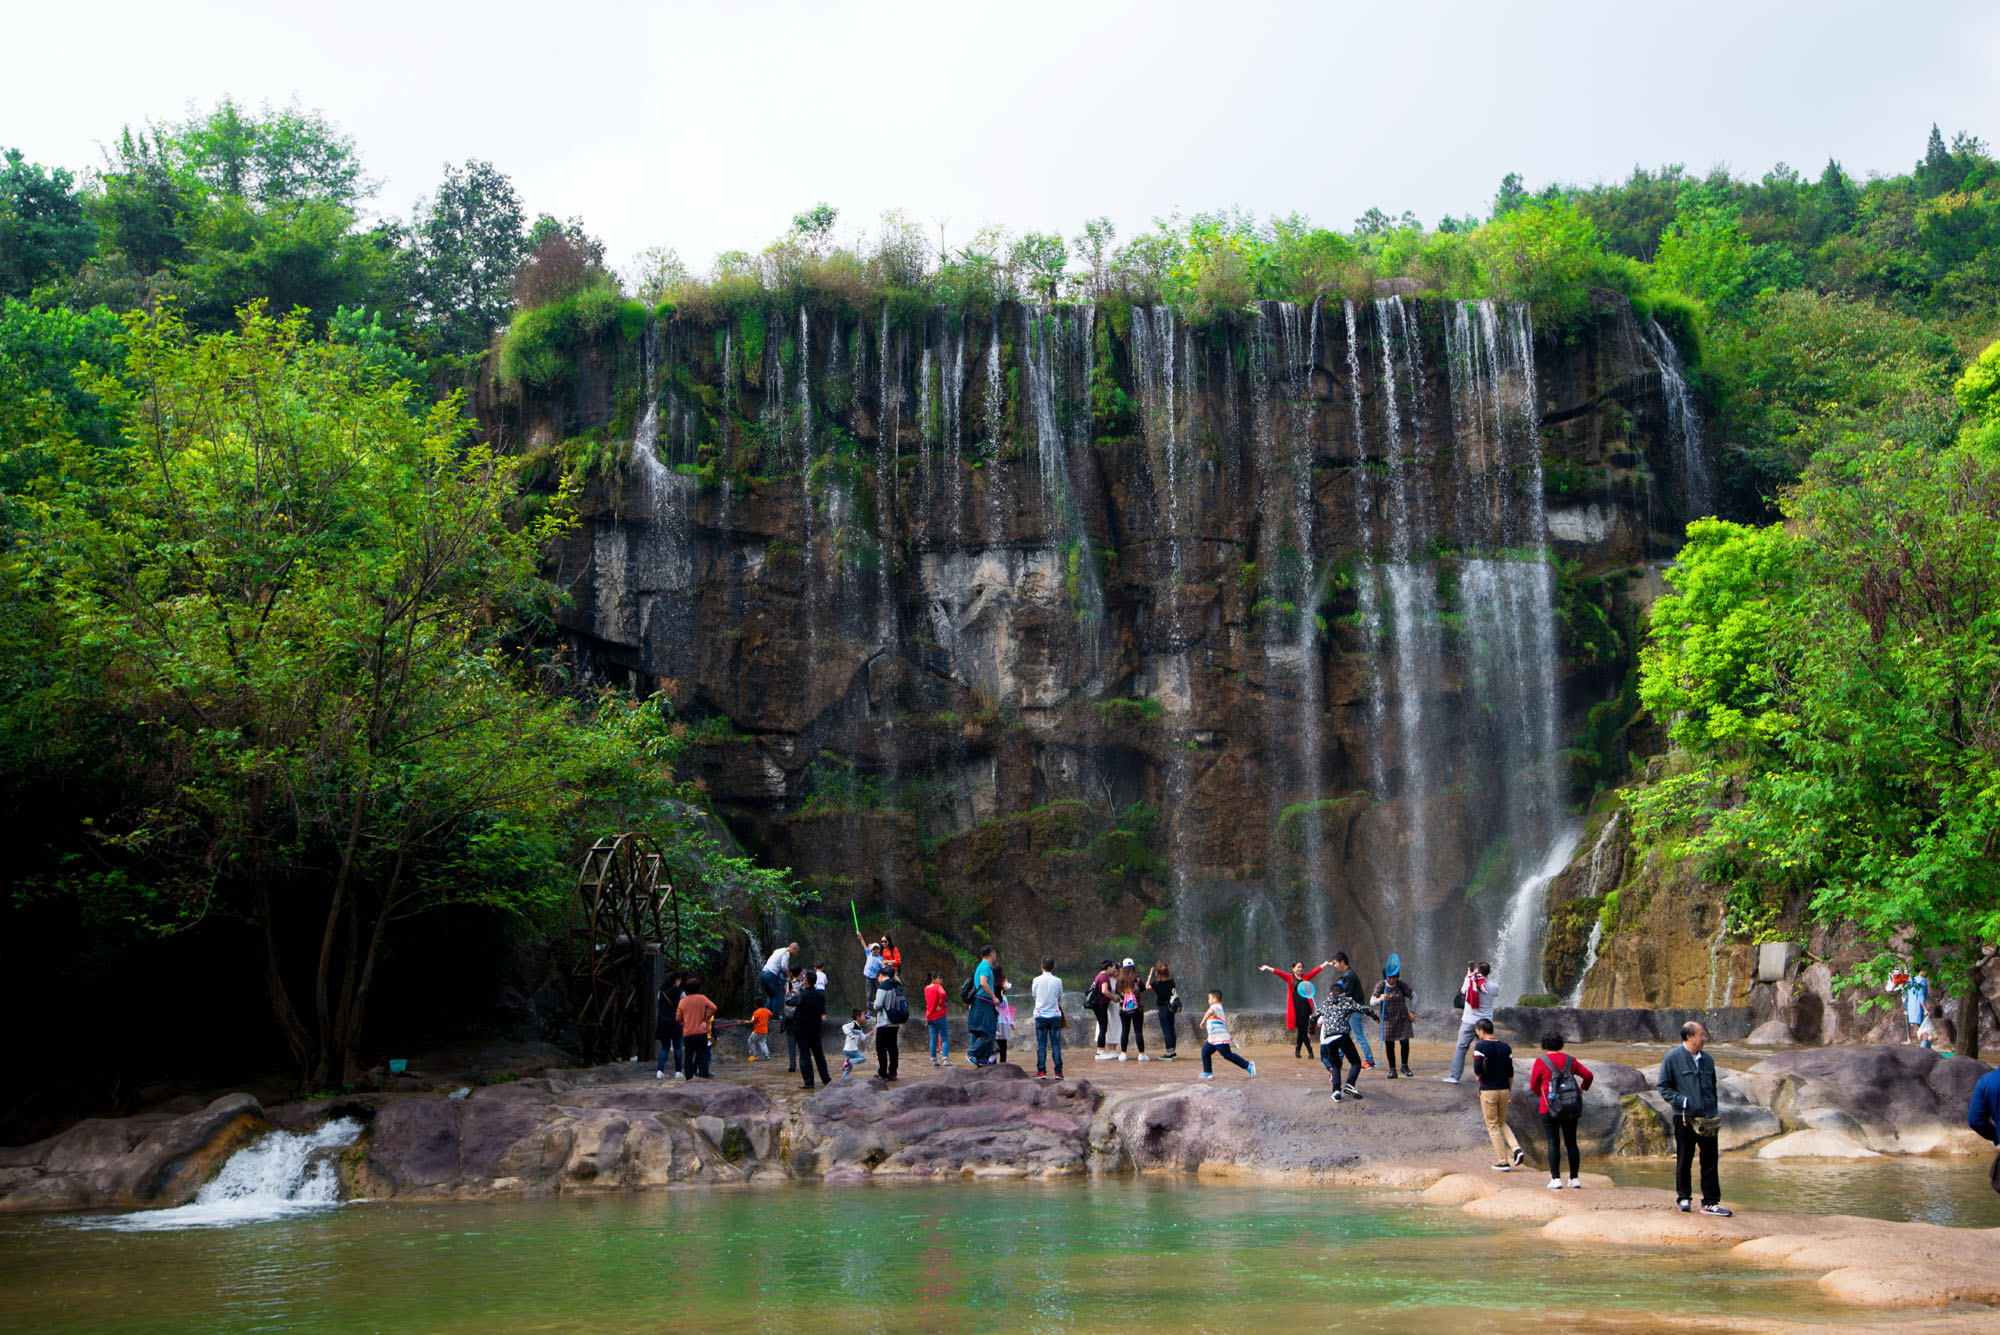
[(1687, 1083)]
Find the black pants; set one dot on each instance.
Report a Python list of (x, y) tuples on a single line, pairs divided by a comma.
[(1132, 1024), (888, 1051), (1686, 1144), (1303, 1039), (1389, 1053), (1103, 1014), (812, 1052), (694, 1056), (1167, 1034), (1331, 1053), (1561, 1131)]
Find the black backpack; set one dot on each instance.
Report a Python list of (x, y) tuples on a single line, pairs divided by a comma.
[(970, 990), (897, 1012), (1565, 1096)]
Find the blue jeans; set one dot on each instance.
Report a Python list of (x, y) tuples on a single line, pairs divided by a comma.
[(1466, 1035), (985, 1018), (940, 1039), (1358, 1031), (672, 1045), (774, 991), (1048, 1037)]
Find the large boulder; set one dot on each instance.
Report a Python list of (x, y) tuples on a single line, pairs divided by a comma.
[(1894, 1099), (128, 1162), (993, 1121)]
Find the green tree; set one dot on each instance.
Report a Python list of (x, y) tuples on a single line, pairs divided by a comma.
[(468, 241), (43, 230), (293, 598), (814, 227), (1041, 257)]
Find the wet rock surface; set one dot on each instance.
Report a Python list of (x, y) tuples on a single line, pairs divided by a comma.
[(128, 1162)]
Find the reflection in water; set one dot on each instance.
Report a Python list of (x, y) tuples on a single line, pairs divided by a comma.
[(1025, 1259)]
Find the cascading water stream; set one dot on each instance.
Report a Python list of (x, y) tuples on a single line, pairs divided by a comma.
[(283, 1173), (1697, 488)]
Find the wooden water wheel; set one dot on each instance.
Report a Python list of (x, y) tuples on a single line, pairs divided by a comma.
[(625, 917)]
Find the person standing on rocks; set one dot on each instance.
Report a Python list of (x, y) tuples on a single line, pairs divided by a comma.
[(795, 983), (1166, 1002), (1476, 999), (1393, 995), (871, 965), (667, 1026), (1493, 1064), (1215, 1039), (937, 1018), (1099, 1002), (1131, 1010), (1350, 983), (776, 969), (697, 1016), (1047, 990), (1003, 1022), (892, 1012), (985, 1017), (1559, 1080), (891, 956), (1916, 990), (809, 1031), (1687, 1083), (1337, 1014), (1298, 1013)]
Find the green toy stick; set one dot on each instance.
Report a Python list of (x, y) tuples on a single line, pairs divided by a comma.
[(857, 917)]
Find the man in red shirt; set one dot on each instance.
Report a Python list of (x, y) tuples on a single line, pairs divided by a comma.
[(1298, 1011), (697, 1016)]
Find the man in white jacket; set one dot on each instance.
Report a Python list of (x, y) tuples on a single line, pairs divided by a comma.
[(1479, 1001)]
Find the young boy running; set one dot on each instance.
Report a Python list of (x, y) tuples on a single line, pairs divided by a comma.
[(1215, 1031)]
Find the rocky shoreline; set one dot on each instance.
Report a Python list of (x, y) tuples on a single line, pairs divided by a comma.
[(615, 1129)]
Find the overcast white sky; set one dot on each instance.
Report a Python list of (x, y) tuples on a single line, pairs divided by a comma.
[(705, 127)]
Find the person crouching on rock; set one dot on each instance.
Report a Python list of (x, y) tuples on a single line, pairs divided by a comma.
[(1559, 1080), (1215, 1028), (1687, 1083), (1393, 995), (1493, 1064), (809, 1030), (1335, 1014)]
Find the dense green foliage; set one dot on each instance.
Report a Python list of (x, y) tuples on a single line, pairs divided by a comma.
[(272, 623), (1833, 686)]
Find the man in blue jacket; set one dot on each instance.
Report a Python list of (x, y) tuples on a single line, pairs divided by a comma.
[(1687, 1083), (1984, 1114)]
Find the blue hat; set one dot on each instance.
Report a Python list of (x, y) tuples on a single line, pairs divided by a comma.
[(1393, 967), (1306, 990)]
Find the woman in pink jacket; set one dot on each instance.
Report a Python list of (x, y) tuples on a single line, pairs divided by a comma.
[(1561, 1102)]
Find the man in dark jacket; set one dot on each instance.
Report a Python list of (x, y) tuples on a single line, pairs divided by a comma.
[(1984, 1114), (1687, 1083), (809, 1028)]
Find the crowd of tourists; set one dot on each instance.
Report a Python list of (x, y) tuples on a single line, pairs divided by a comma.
[(1328, 1016)]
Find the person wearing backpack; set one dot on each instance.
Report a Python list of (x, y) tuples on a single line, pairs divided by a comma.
[(1476, 998), (892, 1012), (1099, 1001), (1047, 990), (1131, 1010), (1559, 1080)]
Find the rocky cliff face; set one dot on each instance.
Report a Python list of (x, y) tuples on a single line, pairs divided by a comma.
[(1089, 631)]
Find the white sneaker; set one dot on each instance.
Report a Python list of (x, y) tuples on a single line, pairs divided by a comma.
[(659, 1075), (1144, 1058), (1555, 1184), (1121, 1056), (1104, 1056), (1253, 1070), (680, 1075), (1575, 1184), (1449, 1079), (1206, 1075)]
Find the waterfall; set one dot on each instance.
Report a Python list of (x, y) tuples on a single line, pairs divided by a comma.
[(1697, 489), (661, 559), (1590, 947), (282, 1173), (1157, 369), (1517, 949)]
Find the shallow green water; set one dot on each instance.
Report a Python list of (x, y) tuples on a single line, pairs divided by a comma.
[(1140, 1256), (1948, 1189)]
